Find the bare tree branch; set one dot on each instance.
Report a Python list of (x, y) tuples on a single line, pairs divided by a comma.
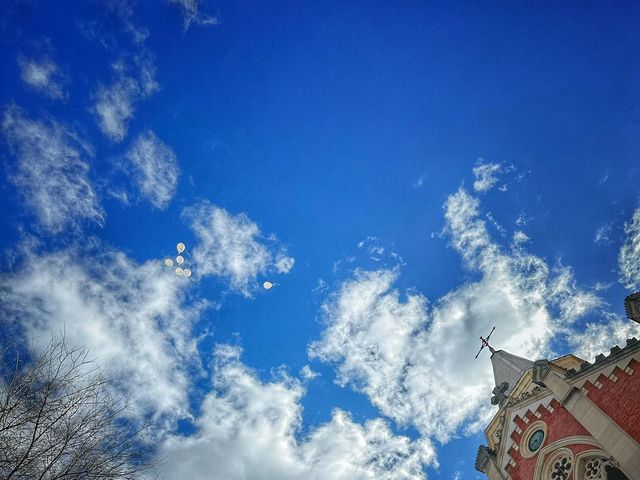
[(59, 419)]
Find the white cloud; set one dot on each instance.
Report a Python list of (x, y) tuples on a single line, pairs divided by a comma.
[(155, 169), (603, 235), (284, 264), (124, 10), (192, 15), (115, 104), (598, 338), (321, 286), (130, 316), (485, 174), (115, 107), (629, 256), (44, 76), (232, 246), (523, 220), (416, 365), (307, 373), (520, 237), (51, 172), (376, 252), (248, 429), (501, 230)]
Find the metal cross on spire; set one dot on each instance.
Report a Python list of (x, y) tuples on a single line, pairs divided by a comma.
[(485, 343)]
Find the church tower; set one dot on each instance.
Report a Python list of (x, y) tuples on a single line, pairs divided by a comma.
[(564, 419)]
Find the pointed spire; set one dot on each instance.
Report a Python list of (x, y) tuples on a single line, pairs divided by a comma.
[(507, 370)]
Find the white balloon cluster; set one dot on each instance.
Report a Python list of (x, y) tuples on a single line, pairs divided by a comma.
[(180, 271)]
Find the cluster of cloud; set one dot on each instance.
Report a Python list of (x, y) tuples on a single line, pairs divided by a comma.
[(415, 364), (44, 76), (155, 169), (131, 317), (51, 171), (233, 246), (248, 429), (629, 257), (192, 15), (115, 104), (485, 175)]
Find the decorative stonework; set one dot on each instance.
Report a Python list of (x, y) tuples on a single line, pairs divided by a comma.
[(561, 468), (632, 306), (525, 395), (560, 465), (533, 439), (499, 395), (594, 469)]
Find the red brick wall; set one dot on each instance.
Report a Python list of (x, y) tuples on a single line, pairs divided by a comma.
[(560, 424), (620, 400)]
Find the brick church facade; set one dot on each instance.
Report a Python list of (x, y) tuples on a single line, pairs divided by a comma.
[(566, 419)]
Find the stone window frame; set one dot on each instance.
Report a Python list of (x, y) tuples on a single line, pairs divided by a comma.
[(524, 441), (554, 456), (583, 457)]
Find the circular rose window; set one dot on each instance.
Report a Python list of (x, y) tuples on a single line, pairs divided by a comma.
[(535, 440)]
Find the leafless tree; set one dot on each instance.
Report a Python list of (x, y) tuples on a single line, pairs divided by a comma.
[(59, 419)]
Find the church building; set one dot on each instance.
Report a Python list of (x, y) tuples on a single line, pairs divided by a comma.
[(565, 418)]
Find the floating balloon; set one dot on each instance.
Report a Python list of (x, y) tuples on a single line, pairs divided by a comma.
[(168, 262), (180, 247), (179, 271), (186, 272), (267, 285), (179, 259)]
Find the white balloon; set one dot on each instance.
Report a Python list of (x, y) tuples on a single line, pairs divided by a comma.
[(179, 271), (186, 272), (180, 247), (168, 262), (179, 259), (267, 285)]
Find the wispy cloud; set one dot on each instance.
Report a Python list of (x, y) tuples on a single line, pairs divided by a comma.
[(130, 316), (115, 104), (52, 171), (523, 220), (248, 430), (420, 181), (307, 373), (192, 15), (485, 175), (125, 12), (373, 248), (44, 76), (406, 357), (520, 237), (603, 235), (629, 256), (155, 169), (233, 247)]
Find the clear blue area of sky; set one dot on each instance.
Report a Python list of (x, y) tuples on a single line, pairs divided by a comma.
[(318, 118)]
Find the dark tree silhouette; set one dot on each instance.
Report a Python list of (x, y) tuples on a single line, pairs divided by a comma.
[(59, 419)]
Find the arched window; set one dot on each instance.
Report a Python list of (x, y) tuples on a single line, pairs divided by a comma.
[(558, 465), (599, 467)]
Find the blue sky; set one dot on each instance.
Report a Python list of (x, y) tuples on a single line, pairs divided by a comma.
[(407, 174)]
